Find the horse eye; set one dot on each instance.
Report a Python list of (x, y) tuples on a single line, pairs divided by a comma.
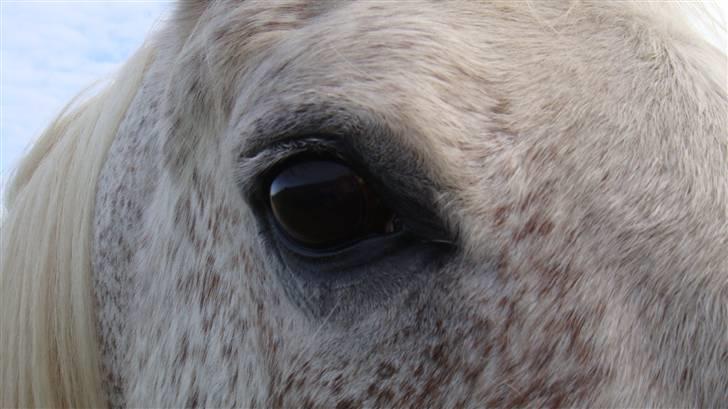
[(325, 205)]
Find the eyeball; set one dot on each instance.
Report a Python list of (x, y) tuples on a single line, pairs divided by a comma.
[(324, 205)]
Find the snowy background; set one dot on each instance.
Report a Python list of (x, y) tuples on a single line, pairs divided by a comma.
[(50, 50)]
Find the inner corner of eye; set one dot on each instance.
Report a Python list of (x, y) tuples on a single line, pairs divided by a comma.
[(323, 203)]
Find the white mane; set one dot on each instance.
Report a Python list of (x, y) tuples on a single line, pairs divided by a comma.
[(47, 335), (48, 346)]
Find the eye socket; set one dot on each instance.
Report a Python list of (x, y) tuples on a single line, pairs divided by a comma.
[(324, 205)]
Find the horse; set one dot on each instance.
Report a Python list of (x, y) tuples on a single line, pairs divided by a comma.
[(377, 204)]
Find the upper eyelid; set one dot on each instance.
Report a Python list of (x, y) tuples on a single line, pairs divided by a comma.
[(359, 137), (289, 122), (250, 168)]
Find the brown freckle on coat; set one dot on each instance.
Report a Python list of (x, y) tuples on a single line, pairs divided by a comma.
[(428, 391), (503, 107), (183, 349), (557, 401), (438, 354), (471, 375), (347, 404), (522, 398), (209, 286), (547, 154), (418, 371), (234, 378), (538, 196), (528, 229), (500, 216), (406, 390), (386, 370), (212, 228), (496, 401), (439, 326), (220, 34), (372, 389), (503, 265), (528, 201), (545, 228), (186, 284), (227, 351), (508, 323), (500, 127), (182, 210), (583, 352), (278, 26), (605, 177), (194, 87), (551, 276), (288, 384), (260, 312), (193, 400), (308, 403), (210, 261), (685, 378), (384, 398), (206, 326), (535, 224), (337, 384), (541, 358)]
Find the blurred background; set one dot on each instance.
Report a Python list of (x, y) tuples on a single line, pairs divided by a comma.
[(51, 50)]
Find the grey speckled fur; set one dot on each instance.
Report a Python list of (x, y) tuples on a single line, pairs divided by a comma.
[(579, 154)]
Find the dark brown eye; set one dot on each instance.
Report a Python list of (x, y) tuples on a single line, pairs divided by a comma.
[(322, 204)]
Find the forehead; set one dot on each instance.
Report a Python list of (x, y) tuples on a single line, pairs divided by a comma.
[(420, 58), (376, 40), (434, 66), (454, 79)]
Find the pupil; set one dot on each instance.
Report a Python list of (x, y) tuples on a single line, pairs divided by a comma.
[(321, 204)]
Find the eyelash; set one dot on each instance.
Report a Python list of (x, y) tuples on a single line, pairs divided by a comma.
[(264, 162)]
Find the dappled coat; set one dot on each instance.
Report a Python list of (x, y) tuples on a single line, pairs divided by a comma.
[(282, 204)]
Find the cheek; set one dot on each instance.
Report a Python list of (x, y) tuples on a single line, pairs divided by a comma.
[(463, 342), (420, 352), (539, 341)]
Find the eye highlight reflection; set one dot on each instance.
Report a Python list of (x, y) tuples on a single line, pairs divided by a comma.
[(325, 205)]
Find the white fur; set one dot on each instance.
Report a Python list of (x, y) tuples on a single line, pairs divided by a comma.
[(580, 151)]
